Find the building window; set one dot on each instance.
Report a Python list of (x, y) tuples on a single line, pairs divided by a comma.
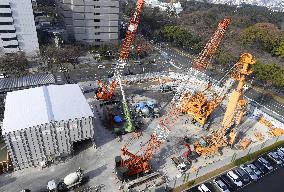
[(97, 6), (96, 27), (7, 31), (4, 6), (6, 23), (97, 40), (97, 33), (97, 13), (5, 14), (11, 46), (97, 20), (10, 39)]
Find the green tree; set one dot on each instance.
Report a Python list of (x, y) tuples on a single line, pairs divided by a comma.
[(272, 72), (265, 34)]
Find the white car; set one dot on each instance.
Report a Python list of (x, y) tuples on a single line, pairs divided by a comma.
[(220, 185), (203, 188), (255, 169), (235, 178), (2, 76), (101, 67)]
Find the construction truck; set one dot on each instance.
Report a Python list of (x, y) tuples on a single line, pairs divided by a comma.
[(180, 164), (71, 181)]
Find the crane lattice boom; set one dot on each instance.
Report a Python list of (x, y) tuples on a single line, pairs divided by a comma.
[(202, 61)]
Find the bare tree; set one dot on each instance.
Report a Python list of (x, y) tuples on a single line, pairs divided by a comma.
[(58, 56), (14, 64)]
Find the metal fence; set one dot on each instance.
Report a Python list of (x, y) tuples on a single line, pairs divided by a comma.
[(221, 163)]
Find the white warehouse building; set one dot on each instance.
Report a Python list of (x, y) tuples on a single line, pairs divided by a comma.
[(90, 21), (17, 27), (41, 124)]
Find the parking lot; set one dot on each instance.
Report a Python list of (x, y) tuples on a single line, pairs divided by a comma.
[(246, 177)]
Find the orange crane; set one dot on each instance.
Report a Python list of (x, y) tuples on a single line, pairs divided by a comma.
[(212, 143), (128, 41), (202, 61), (201, 104)]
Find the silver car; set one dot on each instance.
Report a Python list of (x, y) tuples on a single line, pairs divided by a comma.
[(250, 172), (220, 185), (255, 169), (265, 163), (274, 157)]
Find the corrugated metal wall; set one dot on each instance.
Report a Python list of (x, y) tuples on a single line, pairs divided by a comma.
[(33, 145)]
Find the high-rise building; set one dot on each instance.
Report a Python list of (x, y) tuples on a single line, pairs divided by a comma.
[(17, 27), (90, 21)]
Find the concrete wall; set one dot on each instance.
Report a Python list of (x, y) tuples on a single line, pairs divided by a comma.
[(33, 145)]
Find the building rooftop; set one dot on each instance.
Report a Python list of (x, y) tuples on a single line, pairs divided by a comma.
[(10, 84), (40, 105)]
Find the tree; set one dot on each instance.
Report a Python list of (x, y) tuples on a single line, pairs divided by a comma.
[(272, 73), (265, 34), (14, 64)]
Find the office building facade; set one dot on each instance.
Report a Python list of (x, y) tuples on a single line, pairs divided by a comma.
[(90, 21), (17, 27)]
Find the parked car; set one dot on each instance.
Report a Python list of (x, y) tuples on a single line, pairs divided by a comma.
[(243, 175), (265, 163), (235, 178), (281, 148), (101, 66), (274, 157), (138, 62), (250, 172), (280, 154), (260, 166), (255, 169), (220, 185), (230, 184), (203, 188)]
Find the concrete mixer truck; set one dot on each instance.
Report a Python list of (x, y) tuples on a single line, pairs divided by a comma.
[(71, 181)]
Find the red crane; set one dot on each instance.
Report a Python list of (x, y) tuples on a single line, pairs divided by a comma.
[(140, 162), (129, 38), (131, 31), (105, 93), (202, 61)]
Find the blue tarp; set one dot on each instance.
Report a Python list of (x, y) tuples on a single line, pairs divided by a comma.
[(117, 119)]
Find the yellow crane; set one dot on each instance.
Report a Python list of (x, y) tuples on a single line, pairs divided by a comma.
[(224, 136)]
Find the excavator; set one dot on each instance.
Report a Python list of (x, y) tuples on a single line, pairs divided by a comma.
[(212, 144)]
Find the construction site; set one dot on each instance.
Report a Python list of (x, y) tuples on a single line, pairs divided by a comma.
[(154, 127), (175, 123)]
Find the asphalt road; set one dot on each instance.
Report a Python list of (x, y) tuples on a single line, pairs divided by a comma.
[(269, 183), (170, 59)]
